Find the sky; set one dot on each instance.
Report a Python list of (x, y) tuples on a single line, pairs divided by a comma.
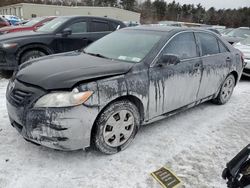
[(218, 4)]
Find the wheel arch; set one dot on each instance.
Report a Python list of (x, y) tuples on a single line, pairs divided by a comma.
[(35, 46), (236, 76), (133, 99)]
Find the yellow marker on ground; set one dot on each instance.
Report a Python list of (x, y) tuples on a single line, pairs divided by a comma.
[(166, 178)]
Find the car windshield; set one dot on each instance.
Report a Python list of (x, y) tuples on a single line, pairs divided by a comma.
[(33, 21), (130, 46), (53, 25), (246, 41), (243, 33)]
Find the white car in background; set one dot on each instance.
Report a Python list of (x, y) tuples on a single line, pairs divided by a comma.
[(244, 47)]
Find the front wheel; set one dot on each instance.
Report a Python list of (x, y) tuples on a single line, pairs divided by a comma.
[(33, 54), (226, 90), (116, 127)]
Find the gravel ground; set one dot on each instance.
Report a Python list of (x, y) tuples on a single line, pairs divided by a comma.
[(195, 144)]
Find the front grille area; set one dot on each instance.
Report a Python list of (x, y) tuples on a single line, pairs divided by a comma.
[(20, 96)]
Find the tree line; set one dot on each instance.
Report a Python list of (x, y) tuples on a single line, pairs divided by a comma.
[(159, 10)]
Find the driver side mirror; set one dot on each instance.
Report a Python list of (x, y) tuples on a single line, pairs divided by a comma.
[(169, 59), (66, 32)]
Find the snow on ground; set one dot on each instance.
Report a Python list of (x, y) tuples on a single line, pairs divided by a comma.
[(196, 144)]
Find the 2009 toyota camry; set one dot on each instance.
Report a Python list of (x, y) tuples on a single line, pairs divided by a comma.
[(100, 96)]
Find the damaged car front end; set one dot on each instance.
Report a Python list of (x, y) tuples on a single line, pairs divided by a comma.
[(102, 95), (53, 119)]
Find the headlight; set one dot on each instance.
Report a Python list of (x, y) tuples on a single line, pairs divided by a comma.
[(63, 99), (9, 45)]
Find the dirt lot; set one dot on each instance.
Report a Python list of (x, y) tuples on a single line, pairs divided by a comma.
[(195, 144)]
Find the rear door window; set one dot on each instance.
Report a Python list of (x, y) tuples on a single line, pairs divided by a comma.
[(183, 45), (99, 26), (209, 44)]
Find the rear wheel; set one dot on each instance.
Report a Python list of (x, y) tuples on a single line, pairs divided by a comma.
[(29, 55), (116, 127), (226, 90)]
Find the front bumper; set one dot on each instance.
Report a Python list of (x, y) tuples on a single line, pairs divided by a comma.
[(246, 70), (66, 128), (8, 60)]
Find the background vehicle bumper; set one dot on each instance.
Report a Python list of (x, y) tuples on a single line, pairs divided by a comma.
[(59, 128), (7, 62), (246, 70)]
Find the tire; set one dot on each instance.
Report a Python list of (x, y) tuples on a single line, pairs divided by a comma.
[(226, 90), (32, 54), (120, 119)]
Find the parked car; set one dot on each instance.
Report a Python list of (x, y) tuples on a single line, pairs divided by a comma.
[(237, 172), (213, 30), (244, 47), (3, 22), (225, 31), (131, 23), (62, 34), (32, 25), (12, 19), (103, 94), (236, 35), (24, 22)]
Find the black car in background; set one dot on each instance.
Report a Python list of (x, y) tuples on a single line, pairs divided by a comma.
[(63, 34)]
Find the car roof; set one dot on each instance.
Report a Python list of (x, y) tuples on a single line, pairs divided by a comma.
[(159, 28), (94, 17)]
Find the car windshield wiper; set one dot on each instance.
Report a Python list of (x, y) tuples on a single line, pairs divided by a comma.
[(96, 54)]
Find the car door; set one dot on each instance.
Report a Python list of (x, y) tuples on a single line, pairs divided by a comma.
[(172, 86), (78, 39), (98, 28), (216, 60)]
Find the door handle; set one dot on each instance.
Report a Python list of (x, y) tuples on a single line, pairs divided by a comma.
[(228, 59), (197, 65)]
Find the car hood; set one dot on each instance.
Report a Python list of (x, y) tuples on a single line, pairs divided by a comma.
[(16, 35), (63, 71), (245, 49), (13, 27)]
